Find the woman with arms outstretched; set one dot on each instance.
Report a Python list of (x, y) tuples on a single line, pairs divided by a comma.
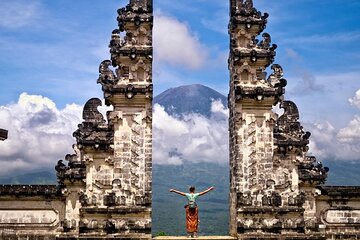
[(192, 211)]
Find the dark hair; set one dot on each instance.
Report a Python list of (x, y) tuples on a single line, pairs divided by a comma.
[(192, 189)]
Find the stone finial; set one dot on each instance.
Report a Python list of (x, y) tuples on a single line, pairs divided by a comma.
[(288, 132), (291, 113), (241, 5), (106, 75), (137, 12), (72, 172), (93, 131), (60, 171), (91, 113), (244, 15), (266, 42), (141, 3), (275, 79), (313, 172)]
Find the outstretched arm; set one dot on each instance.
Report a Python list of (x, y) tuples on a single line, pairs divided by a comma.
[(206, 191), (178, 192)]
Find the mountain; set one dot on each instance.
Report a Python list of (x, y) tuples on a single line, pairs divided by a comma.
[(189, 99), (37, 178), (343, 173)]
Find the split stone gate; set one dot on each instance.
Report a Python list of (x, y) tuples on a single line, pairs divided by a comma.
[(104, 189)]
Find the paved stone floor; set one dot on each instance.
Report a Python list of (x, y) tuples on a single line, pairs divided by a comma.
[(199, 237)]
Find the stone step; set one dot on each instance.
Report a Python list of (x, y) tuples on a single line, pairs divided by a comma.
[(198, 238)]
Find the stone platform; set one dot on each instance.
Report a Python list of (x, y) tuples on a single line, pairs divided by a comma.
[(199, 238), (257, 237)]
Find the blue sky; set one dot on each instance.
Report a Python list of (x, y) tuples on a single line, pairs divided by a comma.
[(51, 50)]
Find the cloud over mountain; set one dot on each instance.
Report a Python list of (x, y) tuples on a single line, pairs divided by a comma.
[(190, 123), (175, 43), (40, 133), (194, 138)]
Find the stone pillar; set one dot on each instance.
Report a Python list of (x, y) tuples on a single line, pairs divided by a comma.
[(272, 181), (251, 98), (107, 182), (128, 89)]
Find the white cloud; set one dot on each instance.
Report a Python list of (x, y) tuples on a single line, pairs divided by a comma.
[(322, 140), (39, 133), (176, 44), (330, 143), (168, 124), (355, 101), (18, 13), (351, 133), (218, 108), (195, 138)]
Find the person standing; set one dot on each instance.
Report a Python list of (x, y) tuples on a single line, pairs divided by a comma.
[(192, 211)]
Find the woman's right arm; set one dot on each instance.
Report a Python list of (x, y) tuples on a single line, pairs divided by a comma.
[(178, 192)]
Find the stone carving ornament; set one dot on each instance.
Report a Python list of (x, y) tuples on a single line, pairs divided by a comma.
[(106, 76), (288, 130)]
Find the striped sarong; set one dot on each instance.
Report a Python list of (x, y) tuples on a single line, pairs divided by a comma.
[(192, 219)]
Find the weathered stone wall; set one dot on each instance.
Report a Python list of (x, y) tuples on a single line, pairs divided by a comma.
[(30, 211), (338, 211)]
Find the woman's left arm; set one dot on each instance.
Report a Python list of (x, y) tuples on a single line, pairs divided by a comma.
[(206, 191)]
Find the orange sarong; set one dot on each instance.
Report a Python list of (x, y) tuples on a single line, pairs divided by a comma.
[(192, 219)]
